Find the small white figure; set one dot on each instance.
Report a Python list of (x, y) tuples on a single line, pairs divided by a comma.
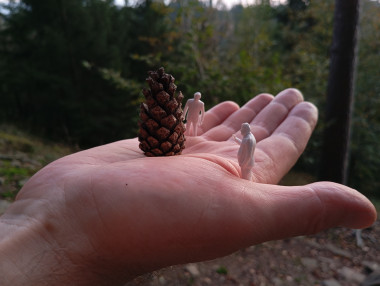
[(246, 150), (193, 107)]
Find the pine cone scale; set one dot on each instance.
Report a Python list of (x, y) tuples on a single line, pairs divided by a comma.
[(168, 121), (162, 98)]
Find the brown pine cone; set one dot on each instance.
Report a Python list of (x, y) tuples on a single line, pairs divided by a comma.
[(161, 117)]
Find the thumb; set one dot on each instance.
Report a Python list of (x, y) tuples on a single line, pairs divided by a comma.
[(225, 214), (240, 213), (281, 212), (153, 222)]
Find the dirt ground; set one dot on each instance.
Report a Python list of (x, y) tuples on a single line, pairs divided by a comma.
[(330, 258)]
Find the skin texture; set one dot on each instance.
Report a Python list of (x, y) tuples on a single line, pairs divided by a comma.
[(107, 214)]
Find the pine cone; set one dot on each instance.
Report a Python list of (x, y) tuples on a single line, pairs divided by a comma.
[(161, 127)]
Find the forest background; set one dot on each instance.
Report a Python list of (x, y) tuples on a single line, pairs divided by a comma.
[(72, 70)]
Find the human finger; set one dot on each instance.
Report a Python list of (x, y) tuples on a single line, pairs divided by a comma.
[(274, 113), (303, 210), (233, 123), (217, 115), (276, 154)]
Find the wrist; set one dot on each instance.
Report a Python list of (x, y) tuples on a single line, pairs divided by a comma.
[(30, 255), (26, 259), (38, 252)]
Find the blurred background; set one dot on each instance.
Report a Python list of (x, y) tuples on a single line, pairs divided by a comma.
[(71, 71)]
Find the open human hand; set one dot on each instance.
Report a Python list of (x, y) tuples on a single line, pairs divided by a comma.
[(107, 214)]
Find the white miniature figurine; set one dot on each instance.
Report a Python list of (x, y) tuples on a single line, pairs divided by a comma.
[(246, 150), (193, 107)]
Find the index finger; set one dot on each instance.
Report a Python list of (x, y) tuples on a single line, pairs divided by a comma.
[(233, 123)]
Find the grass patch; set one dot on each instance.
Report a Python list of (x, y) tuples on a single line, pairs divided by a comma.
[(10, 142), (222, 270), (21, 156), (11, 172)]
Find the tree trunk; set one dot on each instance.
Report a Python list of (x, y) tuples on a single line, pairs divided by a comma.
[(340, 92)]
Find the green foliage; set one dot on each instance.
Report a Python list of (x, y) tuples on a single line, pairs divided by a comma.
[(10, 172), (12, 176), (222, 270), (47, 89), (365, 160), (255, 70)]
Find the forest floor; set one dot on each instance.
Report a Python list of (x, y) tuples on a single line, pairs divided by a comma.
[(330, 258)]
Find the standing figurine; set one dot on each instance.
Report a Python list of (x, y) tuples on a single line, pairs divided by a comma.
[(193, 107), (246, 150)]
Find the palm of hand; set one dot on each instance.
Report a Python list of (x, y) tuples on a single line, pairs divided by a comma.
[(144, 213)]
